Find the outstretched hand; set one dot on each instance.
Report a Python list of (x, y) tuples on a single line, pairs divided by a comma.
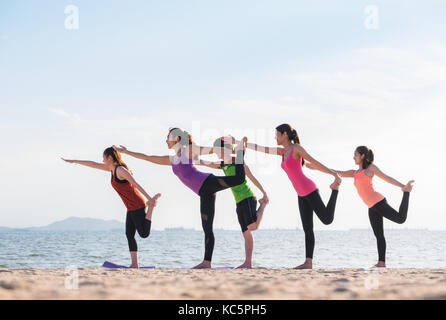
[(121, 148), (69, 161), (338, 180)]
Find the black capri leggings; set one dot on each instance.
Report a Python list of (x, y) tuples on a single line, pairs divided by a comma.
[(383, 209), (136, 221), (208, 190), (307, 205)]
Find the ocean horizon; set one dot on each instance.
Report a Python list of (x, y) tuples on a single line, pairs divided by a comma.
[(183, 248)]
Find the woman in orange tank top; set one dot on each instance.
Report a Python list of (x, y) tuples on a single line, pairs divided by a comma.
[(377, 203), (126, 186)]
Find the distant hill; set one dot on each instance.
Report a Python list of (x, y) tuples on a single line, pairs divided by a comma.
[(74, 224)]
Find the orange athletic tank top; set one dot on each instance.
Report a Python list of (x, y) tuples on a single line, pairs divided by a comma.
[(130, 196), (364, 186)]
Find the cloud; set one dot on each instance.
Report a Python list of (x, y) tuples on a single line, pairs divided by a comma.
[(376, 86), (63, 114), (374, 78)]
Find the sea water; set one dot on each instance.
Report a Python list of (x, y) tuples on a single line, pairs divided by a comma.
[(179, 248)]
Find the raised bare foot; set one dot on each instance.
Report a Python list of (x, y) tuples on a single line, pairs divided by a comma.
[(408, 187), (334, 186), (263, 202), (151, 205), (245, 265), (203, 265)]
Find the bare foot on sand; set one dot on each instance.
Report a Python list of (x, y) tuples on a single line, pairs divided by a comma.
[(204, 265), (307, 265), (380, 264), (245, 265)]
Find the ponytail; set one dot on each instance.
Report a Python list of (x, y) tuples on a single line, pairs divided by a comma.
[(294, 136), (116, 156), (185, 137), (291, 133), (369, 157)]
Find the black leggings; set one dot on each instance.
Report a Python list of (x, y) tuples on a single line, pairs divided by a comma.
[(208, 190), (307, 205), (376, 214), (136, 221)]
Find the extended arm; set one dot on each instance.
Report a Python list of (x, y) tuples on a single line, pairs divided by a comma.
[(91, 164), (124, 174), (210, 164), (162, 160), (201, 150), (254, 180), (343, 174), (253, 146), (385, 177), (299, 151)]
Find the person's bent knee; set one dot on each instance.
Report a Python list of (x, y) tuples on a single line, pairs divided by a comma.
[(401, 221), (145, 234), (253, 227)]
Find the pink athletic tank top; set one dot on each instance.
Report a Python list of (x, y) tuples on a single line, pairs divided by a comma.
[(293, 168), (363, 184)]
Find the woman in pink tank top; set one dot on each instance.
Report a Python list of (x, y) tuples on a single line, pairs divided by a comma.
[(377, 204), (205, 185), (293, 158)]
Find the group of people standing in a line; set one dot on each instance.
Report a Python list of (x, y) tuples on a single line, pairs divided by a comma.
[(206, 185)]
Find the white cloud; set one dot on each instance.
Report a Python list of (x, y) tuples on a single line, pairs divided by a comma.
[(62, 113)]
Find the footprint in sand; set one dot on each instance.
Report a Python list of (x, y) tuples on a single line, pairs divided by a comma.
[(341, 289), (256, 289), (91, 283), (7, 285), (341, 280)]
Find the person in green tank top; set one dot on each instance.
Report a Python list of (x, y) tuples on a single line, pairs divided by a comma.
[(249, 216)]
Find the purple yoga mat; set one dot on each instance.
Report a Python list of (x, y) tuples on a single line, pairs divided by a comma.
[(112, 265), (217, 268)]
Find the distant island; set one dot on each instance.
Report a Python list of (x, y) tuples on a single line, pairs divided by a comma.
[(74, 224)]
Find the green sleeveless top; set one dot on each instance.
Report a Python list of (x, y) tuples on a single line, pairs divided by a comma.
[(242, 191)]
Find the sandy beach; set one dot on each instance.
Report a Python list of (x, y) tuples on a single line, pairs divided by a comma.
[(100, 283)]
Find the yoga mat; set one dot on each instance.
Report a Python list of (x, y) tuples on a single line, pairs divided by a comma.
[(217, 268), (111, 265)]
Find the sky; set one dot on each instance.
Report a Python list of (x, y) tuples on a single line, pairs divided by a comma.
[(344, 74)]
